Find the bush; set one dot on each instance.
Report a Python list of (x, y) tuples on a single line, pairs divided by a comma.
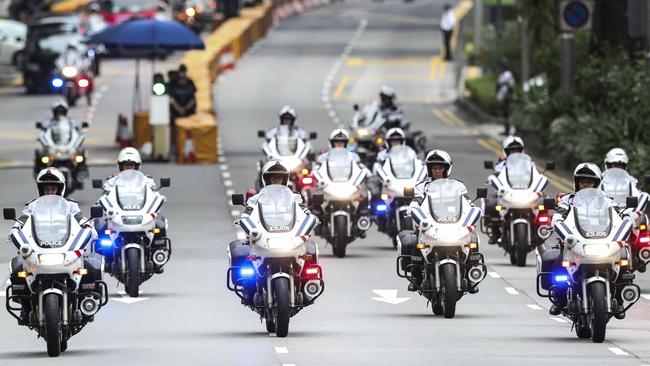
[(482, 92)]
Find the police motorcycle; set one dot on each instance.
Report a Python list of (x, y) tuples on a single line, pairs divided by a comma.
[(71, 80), (586, 270), (134, 241), (399, 171), (448, 260), (525, 222), (294, 153), (278, 274), (54, 283), (341, 181), (62, 148), (617, 185), (368, 126)]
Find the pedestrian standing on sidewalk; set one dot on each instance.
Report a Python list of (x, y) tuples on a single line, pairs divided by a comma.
[(447, 24), (504, 88)]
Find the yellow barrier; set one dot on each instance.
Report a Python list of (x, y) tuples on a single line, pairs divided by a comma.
[(68, 6)]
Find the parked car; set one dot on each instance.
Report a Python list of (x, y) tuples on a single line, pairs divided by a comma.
[(12, 41)]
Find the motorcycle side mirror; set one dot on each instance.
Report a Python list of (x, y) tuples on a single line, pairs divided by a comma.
[(98, 183), (488, 164), (96, 212), (9, 213), (165, 182), (313, 135), (39, 125), (481, 192), (406, 126), (647, 179), (409, 192), (631, 202), (355, 107), (550, 165), (261, 134), (237, 199), (549, 203), (85, 124), (311, 156), (317, 200)]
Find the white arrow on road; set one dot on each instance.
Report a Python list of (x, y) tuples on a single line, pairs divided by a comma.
[(127, 299), (389, 296)]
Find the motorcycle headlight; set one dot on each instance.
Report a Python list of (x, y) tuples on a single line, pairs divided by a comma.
[(45, 159), (51, 259), (291, 162), (69, 71), (363, 132), (283, 243), (598, 250), (132, 220), (522, 197), (343, 191)]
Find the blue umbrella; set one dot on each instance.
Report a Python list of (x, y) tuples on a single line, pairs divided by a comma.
[(147, 35)]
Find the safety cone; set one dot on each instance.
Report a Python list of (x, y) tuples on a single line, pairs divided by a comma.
[(227, 60), (189, 153), (123, 136)]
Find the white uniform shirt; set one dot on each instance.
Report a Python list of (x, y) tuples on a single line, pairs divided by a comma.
[(448, 20), (110, 183)]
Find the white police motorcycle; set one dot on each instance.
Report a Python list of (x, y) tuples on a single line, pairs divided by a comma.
[(450, 262), (134, 241), (53, 283), (277, 276)]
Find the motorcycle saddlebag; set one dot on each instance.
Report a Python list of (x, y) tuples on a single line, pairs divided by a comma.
[(550, 257)]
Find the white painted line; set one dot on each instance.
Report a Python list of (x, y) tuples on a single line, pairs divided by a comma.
[(336, 120), (326, 98), (534, 306), (235, 213), (222, 159), (230, 192), (511, 290), (332, 113), (223, 167), (617, 351), (288, 364), (227, 183), (328, 105), (241, 235), (281, 350), (226, 175), (645, 296), (559, 320), (494, 275)]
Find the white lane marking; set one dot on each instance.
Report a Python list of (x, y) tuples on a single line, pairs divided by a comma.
[(227, 183), (226, 175), (288, 364), (645, 296), (617, 351), (222, 159), (494, 275), (241, 235), (230, 192), (129, 300), (389, 296), (281, 350), (511, 290), (332, 114), (534, 306), (235, 213), (223, 167), (559, 320)]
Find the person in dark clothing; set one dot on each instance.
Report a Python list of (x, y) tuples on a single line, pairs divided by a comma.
[(183, 95), (447, 24)]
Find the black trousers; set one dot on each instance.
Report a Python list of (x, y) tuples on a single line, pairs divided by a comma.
[(446, 35)]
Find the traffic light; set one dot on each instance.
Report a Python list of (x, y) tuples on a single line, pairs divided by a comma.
[(159, 86)]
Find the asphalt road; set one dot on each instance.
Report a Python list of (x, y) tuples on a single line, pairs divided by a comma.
[(321, 63)]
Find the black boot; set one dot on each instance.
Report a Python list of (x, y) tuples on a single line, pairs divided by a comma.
[(555, 310)]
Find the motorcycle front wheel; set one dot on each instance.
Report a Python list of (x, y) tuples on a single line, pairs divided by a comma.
[(132, 272), (598, 299), (52, 314), (449, 295), (521, 244), (282, 306), (340, 236)]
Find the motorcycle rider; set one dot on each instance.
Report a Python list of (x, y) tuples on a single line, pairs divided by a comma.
[(391, 110), (273, 172), (59, 114), (339, 138), (617, 158), (511, 145), (128, 159), (50, 181), (75, 55), (287, 118), (394, 137), (439, 166)]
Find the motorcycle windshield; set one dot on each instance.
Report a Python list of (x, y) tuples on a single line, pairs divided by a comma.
[(277, 208), (131, 190), (616, 183), (61, 132), (401, 162), (445, 197), (286, 143), (339, 164), (592, 213), (519, 170), (51, 221)]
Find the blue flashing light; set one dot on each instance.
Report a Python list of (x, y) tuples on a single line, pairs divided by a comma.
[(560, 278), (57, 83), (247, 272), (381, 208), (106, 242)]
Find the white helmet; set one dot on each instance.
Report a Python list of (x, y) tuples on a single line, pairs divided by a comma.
[(395, 134), (60, 104), (511, 143), (387, 91), (438, 157), (616, 155), (129, 154), (274, 168), (339, 135), (586, 171), (50, 176), (287, 110)]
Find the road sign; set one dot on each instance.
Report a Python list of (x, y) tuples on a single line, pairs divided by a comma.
[(575, 15)]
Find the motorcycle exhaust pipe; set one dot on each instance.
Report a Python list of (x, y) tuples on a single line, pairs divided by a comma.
[(364, 223), (644, 254), (313, 288), (89, 306), (476, 274), (544, 232), (160, 257), (630, 293)]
